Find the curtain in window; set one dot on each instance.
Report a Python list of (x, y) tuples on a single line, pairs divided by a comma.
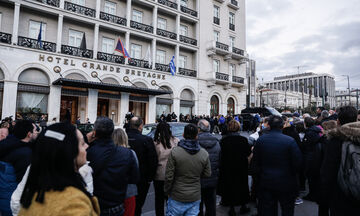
[(32, 100)]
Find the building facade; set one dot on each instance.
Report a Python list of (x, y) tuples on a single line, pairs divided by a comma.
[(320, 87), (72, 69), (343, 98)]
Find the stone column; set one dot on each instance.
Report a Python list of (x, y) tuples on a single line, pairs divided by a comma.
[(177, 54), (62, 3), (153, 52), (155, 12), (9, 99), (127, 45), (177, 26), (54, 101), (128, 12), (151, 109), (16, 23), (176, 106), (59, 33), (97, 12), (92, 104), (124, 106), (96, 40)]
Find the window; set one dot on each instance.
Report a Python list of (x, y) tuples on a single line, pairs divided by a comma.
[(216, 11), (184, 3), (232, 68), (183, 30), (216, 65), (108, 45), (231, 42), (136, 51), (160, 56), (137, 16), (75, 38), (34, 28), (231, 18), (161, 24), (0, 20), (216, 36), (79, 2), (182, 61), (110, 7)]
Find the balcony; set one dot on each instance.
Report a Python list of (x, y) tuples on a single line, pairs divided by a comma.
[(162, 67), (187, 72), (110, 58), (55, 3), (165, 33), (34, 44), (217, 20), (5, 38), (139, 63), (79, 9), (142, 27), (238, 53), (188, 40), (75, 51), (113, 18), (231, 26), (221, 1), (233, 4), (168, 3), (237, 79), (188, 11), (215, 47), (222, 76)]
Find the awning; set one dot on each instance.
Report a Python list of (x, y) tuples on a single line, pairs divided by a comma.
[(109, 87)]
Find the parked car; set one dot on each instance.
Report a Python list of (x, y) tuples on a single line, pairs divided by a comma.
[(85, 128), (177, 129), (247, 115)]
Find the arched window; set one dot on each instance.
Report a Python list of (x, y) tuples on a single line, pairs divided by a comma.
[(186, 102), (230, 107), (164, 103), (214, 106), (110, 81), (75, 76)]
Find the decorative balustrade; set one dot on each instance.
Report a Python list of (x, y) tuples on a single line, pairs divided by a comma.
[(75, 51), (140, 26), (234, 2), (188, 11), (79, 9), (237, 79), (168, 3), (222, 76), (217, 20), (222, 46), (5, 38), (188, 40), (165, 33), (231, 26), (55, 3), (113, 18), (238, 51), (162, 67), (187, 72), (110, 58), (139, 63), (34, 44)]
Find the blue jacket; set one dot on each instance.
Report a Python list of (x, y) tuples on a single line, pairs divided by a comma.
[(111, 176), (277, 158)]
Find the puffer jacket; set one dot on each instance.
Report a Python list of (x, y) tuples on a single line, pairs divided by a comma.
[(211, 144)]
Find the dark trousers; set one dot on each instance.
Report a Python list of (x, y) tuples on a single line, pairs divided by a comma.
[(268, 203), (143, 188), (323, 210), (208, 197), (159, 197)]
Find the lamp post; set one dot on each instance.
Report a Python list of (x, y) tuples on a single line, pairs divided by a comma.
[(348, 88)]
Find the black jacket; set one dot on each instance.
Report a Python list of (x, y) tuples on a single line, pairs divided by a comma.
[(291, 132), (16, 153), (145, 151), (113, 169), (211, 144), (311, 138)]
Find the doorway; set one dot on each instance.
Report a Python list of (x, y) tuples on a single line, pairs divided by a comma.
[(103, 107), (69, 108), (138, 109)]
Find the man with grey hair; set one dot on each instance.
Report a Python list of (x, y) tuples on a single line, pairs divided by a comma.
[(208, 185), (148, 162)]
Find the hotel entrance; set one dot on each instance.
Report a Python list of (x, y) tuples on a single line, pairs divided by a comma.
[(138, 109), (103, 107), (69, 108)]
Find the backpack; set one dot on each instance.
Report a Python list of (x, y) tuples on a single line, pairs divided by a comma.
[(349, 171), (8, 185)]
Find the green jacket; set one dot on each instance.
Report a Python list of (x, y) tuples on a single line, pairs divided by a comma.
[(183, 173)]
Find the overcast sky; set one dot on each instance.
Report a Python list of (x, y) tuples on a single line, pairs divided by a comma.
[(323, 35)]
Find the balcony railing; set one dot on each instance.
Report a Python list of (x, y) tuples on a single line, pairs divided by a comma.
[(222, 76), (222, 46), (5, 38), (217, 20), (231, 26), (139, 63), (187, 72), (55, 3), (162, 67), (140, 26), (165, 33), (238, 51), (79, 9), (188, 11), (234, 2), (113, 18), (34, 44), (188, 40), (110, 58), (168, 3), (75, 51), (237, 79)]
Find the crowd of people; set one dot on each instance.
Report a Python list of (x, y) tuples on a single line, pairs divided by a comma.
[(58, 170)]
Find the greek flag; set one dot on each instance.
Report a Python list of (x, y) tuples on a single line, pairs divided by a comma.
[(39, 41), (172, 66)]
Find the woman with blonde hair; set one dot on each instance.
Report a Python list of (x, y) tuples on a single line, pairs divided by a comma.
[(120, 138)]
